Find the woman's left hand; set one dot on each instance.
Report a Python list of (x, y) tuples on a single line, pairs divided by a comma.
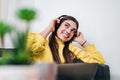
[(79, 38)]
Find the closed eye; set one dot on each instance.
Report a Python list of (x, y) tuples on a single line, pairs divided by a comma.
[(67, 25), (74, 30)]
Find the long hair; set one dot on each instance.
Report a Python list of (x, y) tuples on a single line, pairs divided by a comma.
[(68, 55)]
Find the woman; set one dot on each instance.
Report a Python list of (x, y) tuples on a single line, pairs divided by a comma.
[(58, 47)]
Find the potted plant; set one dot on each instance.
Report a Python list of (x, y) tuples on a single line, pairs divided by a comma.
[(21, 56)]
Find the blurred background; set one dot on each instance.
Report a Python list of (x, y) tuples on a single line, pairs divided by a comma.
[(99, 21)]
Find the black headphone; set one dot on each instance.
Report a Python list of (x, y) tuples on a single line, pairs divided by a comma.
[(60, 18)]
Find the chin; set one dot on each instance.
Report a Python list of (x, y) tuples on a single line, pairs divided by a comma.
[(64, 40)]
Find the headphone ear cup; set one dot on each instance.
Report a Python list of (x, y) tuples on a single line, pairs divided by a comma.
[(75, 35), (56, 26)]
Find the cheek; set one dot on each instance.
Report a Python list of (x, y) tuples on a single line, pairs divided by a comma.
[(71, 36), (58, 32)]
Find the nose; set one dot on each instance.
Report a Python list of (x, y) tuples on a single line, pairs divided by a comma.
[(68, 30)]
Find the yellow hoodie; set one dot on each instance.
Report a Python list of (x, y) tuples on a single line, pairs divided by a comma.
[(41, 51)]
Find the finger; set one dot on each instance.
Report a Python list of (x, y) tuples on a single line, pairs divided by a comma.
[(58, 20), (78, 33)]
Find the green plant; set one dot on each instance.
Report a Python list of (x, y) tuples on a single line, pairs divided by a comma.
[(27, 15), (21, 54), (18, 58), (4, 28)]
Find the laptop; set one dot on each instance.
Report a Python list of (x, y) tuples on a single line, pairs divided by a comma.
[(77, 71)]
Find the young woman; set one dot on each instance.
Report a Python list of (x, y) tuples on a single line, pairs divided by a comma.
[(58, 46)]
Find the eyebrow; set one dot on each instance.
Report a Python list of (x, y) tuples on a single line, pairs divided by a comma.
[(70, 25), (67, 23)]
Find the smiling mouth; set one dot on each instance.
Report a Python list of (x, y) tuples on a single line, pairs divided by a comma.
[(65, 35)]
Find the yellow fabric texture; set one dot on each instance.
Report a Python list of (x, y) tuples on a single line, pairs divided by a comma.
[(41, 51)]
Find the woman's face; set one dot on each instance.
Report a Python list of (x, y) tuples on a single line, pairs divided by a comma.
[(66, 30)]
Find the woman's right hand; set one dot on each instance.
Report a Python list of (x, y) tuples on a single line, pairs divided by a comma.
[(51, 26)]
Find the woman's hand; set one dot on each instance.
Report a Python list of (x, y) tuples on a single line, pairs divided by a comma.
[(80, 39), (51, 26)]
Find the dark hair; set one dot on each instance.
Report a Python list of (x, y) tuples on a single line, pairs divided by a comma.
[(68, 55)]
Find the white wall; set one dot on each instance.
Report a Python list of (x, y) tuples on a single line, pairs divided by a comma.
[(99, 21)]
